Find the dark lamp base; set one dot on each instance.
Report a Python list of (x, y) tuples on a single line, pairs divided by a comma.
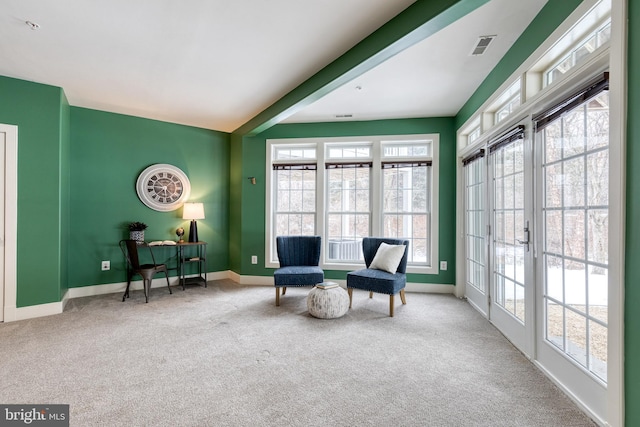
[(193, 231)]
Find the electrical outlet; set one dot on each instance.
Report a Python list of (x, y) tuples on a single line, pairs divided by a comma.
[(443, 265), (254, 259), (106, 265)]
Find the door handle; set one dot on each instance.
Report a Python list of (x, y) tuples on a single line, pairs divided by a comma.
[(525, 242)]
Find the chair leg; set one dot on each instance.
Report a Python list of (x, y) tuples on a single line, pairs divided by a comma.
[(147, 289), (284, 290), (390, 305), (370, 294), (277, 297), (402, 298), (126, 291), (350, 292), (168, 286)]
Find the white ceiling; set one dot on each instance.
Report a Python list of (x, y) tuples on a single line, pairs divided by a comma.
[(435, 77), (217, 63)]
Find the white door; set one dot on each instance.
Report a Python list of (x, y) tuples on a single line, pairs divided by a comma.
[(3, 145), (475, 226), (573, 264), (8, 220), (511, 255)]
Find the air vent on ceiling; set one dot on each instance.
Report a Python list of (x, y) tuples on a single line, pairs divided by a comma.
[(343, 116), (482, 45)]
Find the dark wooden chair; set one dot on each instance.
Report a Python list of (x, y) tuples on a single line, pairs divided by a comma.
[(130, 250)]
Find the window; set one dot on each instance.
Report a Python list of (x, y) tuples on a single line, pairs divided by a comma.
[(473, 135), (294, 202), (580, 53), (351, 188), (508, 108), (406, 178), (507, 102), (348, 200)]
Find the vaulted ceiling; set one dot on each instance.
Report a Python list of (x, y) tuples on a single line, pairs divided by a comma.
[(217, 64)]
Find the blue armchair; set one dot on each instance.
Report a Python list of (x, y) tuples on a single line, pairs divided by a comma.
[(379, 281), (299, 258)]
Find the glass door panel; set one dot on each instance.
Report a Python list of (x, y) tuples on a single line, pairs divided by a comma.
[(511, 261), (573, 212), (476, 289)]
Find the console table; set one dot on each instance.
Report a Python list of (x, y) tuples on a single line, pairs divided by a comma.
[(190, 253)]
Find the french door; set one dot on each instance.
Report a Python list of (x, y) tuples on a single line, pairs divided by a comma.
[(511, 303), (475, 196), (550, 300), (573, 266)]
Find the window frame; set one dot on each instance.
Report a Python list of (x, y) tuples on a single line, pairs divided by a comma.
[(376, 186), (570, 55)]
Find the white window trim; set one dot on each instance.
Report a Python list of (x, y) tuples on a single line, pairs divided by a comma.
[(376, 196)]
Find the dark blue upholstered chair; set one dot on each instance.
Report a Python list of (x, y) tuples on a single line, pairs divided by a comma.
[(299, 258), (379, 281)]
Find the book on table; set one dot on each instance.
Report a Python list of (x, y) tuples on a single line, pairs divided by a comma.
[(327, 285), (162, 243)]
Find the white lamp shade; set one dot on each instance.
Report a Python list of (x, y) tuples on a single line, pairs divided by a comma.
[(193, 211)]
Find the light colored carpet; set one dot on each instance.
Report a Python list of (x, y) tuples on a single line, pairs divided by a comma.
[(226, 356)]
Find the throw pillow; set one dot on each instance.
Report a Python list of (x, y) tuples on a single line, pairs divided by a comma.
[(388, 257)]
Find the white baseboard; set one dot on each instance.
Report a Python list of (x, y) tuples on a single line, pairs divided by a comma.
[(430, 288), (570, 394), (136, 285), (40, 310), (33, 311)]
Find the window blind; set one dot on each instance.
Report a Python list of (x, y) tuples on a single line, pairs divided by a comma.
[(409, 164), (506, 138), (345, 165), (475, 156), (591, 90), (294, 166)]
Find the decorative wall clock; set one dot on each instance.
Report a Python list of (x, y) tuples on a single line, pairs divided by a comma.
[(163, 187)]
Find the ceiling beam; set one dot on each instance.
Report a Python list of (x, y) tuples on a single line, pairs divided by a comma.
[(417, 22)]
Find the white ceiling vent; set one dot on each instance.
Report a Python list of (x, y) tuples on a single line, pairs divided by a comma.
[(482, 45)]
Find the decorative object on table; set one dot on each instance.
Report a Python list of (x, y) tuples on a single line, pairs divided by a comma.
[(180, 233), (193, 211), (327, 301), (136, 231), (299, 258), (163, 187), (386, 261)]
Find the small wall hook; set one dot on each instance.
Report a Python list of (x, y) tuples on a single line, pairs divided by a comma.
[(252, 179)]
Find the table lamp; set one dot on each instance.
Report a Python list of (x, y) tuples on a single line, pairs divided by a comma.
[(193, 211)]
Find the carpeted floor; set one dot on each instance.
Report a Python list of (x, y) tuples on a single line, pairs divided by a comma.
[(226, 356)]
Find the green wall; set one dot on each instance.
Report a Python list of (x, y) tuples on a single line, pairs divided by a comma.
[(632, 242), (108, 152), (250, 199), (40, 112)]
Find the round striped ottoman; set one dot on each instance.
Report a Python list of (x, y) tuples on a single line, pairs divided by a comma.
[(327, 301)]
